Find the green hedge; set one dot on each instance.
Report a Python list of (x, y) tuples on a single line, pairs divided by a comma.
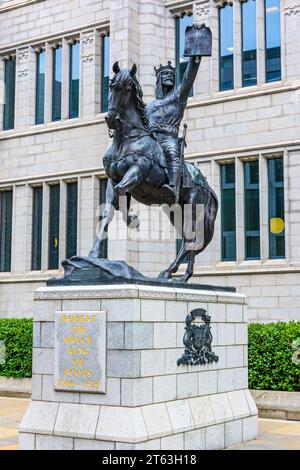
[(16, 334), (270, 356)]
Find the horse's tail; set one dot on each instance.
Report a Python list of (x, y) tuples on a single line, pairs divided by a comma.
[(210, 214)]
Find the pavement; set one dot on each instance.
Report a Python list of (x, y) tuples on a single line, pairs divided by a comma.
[(274, 434)]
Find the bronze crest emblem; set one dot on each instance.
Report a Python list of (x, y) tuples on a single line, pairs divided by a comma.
[(197, 340)]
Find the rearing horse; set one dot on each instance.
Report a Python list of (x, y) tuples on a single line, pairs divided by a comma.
[(136, 166)]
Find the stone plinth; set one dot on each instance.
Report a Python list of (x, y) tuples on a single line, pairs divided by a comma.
[(149, 402)]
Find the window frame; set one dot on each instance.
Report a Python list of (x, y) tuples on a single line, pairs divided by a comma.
[(228, 186)]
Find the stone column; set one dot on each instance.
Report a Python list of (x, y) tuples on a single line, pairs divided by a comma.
[(240, 210), (90, 73), (260, 35), (25, 88), (203, 13), (45, 227), (88, 203), (237, 44), (290, 15), (124, 32), (264, 208), (62, 221), (65, 89), (48, 82), (21, 238)]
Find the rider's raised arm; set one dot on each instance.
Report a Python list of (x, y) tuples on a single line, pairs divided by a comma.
[(189, 78)]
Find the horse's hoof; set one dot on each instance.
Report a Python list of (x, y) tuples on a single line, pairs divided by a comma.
[(184, 279), (133, 222), (165, 275), (119, 191), (93, 254)]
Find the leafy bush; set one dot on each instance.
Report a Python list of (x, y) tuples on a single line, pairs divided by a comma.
[(16, 336), (270, 356)]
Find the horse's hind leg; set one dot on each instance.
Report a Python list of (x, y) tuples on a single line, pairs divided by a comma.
[(190, 266), (173, 268)]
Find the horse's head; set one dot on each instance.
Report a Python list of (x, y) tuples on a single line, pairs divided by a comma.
[(121, 93)]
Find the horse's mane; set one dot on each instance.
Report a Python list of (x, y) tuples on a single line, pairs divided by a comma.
[(123, 76)]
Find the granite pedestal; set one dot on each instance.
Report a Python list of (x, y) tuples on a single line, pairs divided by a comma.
[(105, 373)]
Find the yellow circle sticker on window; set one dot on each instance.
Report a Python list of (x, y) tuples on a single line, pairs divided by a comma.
[(277, 225)]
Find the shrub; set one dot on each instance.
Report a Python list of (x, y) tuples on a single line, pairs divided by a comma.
[(270, 356), (16, 335)]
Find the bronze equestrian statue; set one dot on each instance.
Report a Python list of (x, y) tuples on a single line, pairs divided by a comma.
[(145, 161)]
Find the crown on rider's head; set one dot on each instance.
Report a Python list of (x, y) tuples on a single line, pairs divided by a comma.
[(165, 67)]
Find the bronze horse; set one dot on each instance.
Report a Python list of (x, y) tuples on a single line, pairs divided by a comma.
[(136, 166)]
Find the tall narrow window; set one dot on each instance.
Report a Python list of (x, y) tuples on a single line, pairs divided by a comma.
[(102, 199), (105, 71), (276, 209), (54, 204), (273, 41), (57, 84), (72, 209), (226, 47), (37, 214), (40, 87), (9, 103), (181, 62), (228, 212), (252, 222), (6, 198), (249, 62), (74, 80)]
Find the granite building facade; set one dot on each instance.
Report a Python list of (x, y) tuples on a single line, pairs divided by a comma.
[(243, 132)]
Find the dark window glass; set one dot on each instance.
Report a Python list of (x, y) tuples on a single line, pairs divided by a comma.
[(228, 212), (72, 209), (181, 62), (276, 209), (249, 62), (40, 87), (273, 43), (9, 103), (57, 84), (6, 199), (105, 71), (252, 222), (54, 204), (226, 47), (102, 199), (37, 214), (74, 80)]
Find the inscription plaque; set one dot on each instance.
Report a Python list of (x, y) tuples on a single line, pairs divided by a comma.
[(80, 351)]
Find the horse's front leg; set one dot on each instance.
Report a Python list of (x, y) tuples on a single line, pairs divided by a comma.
[(107, 217), (130, 218), (132, 178)]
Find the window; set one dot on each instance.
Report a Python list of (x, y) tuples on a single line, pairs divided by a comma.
[(6, 198), (272, 31), (102, 199), (181, 62), (72, 205), (226, 47), (252, 217), (37, 214), (9, 103), (228, 212), (40, 87), (249, 62), (276, 209), (54, 204), (57, 84), (74, 80), (105, 71)]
